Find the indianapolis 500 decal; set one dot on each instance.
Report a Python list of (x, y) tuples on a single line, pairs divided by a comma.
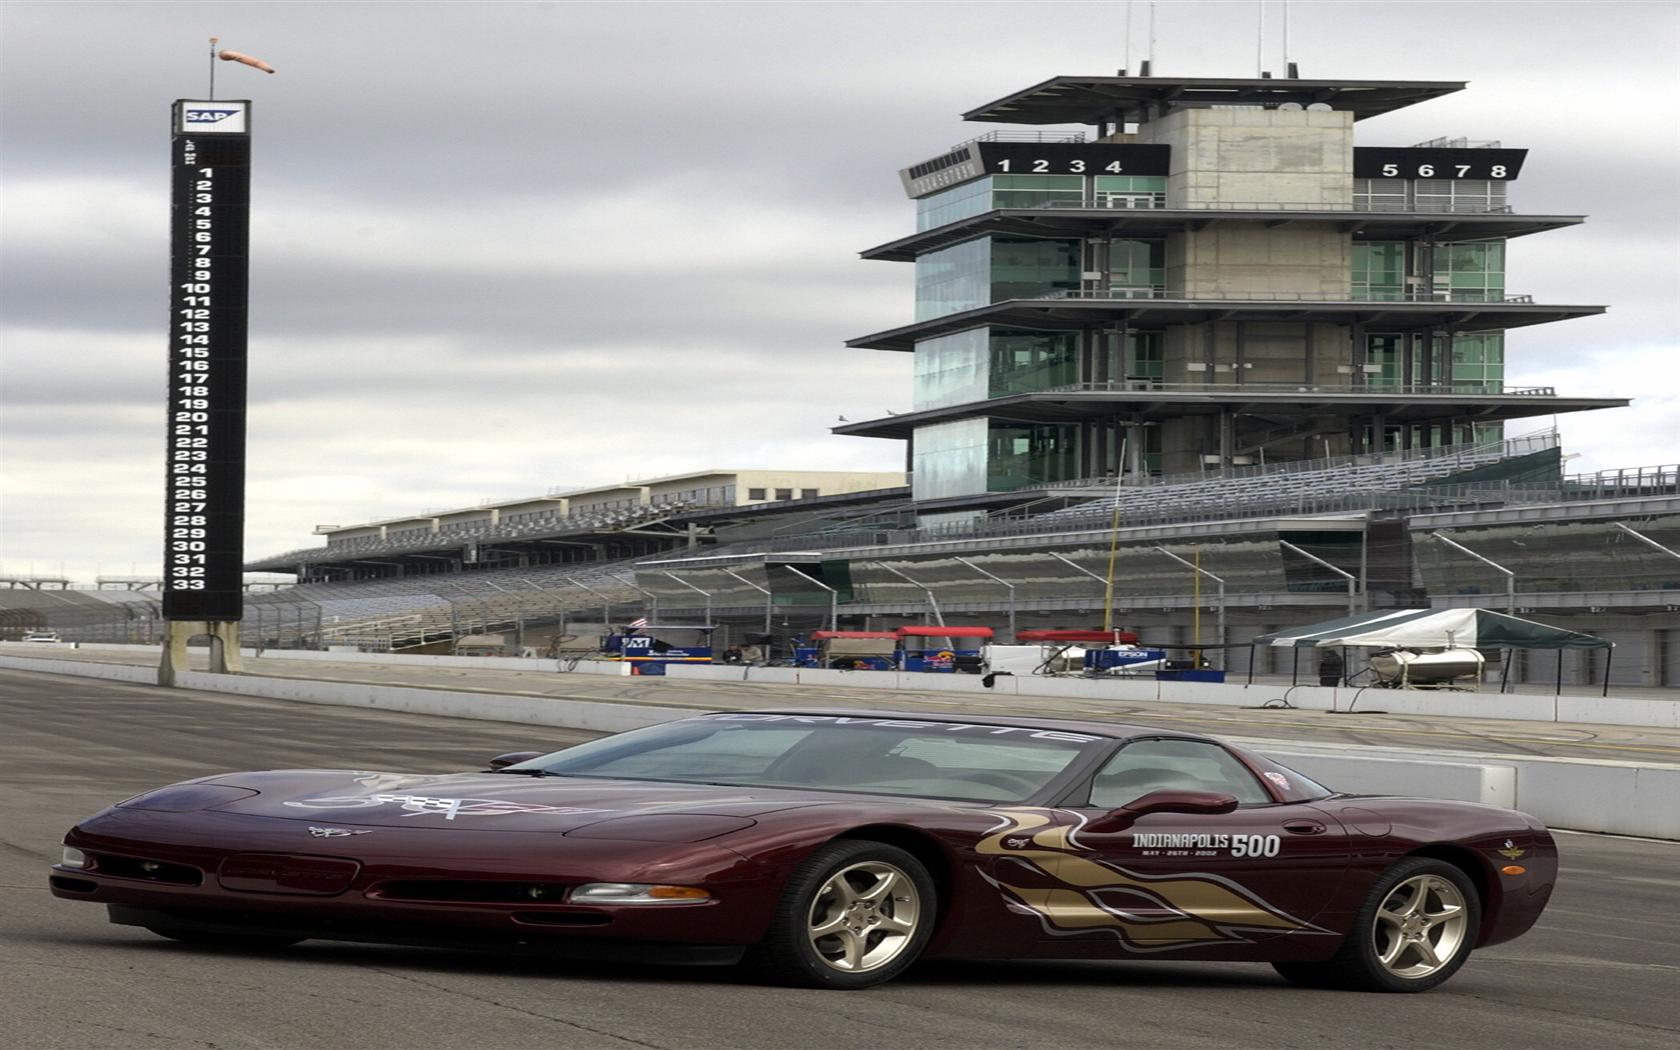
[(1058, 881)]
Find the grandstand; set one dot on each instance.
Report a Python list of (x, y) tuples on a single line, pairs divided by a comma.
[(32, 603)]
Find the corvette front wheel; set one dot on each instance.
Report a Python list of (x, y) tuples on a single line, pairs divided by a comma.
[(855, 914), (1415, 930)]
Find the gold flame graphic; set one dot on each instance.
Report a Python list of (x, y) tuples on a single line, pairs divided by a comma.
[(1209, 911)]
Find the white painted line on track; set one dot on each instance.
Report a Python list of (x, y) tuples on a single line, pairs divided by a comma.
[(1607, 835)]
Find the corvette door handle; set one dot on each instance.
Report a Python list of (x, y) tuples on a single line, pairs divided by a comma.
[(1303, 827)]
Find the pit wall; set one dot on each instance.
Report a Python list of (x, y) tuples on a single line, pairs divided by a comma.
[(1612, 710), (1620, 798)]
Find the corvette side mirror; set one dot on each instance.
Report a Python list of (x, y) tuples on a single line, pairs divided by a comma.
[(513, 758), (1206, 803)]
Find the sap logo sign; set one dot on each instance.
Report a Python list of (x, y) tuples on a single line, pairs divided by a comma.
[(210, 116)]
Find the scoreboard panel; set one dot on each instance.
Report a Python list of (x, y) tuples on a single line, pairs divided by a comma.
[(1073, 158), (209, 234), (1422, 162)]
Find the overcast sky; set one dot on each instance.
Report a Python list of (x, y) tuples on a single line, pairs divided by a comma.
[(498, 248)]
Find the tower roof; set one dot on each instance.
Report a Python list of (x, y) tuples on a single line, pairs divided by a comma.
[(1094, 100)]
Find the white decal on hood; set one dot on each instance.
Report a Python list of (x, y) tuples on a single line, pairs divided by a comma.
[(451, 808)]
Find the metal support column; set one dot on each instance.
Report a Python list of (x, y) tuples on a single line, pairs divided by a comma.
[(1220, 582), (1078, 568), (1001, 582), (833, 596), (647, 596), (559, 612), (690, 586), (1510, 577), (1348, 577), (1648, 541), (606, 602), (933, 603), (762, 590)]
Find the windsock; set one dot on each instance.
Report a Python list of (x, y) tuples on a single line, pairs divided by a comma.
[(254, 63)]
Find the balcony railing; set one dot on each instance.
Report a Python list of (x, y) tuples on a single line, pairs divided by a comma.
[(1375, 386), (1142, 201), (1021, 136), (1386, 295)]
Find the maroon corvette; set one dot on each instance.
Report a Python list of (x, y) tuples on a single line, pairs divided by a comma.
[(833, 850)]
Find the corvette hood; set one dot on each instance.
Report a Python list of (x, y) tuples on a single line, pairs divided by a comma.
[(486, 801)]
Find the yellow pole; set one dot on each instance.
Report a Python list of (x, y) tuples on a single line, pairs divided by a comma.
[(1114, 540), (1196, 592)]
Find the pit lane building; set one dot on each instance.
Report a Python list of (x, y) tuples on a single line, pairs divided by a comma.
[(1226, 347)]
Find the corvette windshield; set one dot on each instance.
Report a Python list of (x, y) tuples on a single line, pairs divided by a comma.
[(886, 756)]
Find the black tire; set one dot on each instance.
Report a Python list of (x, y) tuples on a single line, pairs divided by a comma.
[(1422, 938), (895, 929), (207, 939)]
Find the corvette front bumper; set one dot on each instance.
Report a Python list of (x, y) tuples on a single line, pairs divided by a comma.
[(213, 872)]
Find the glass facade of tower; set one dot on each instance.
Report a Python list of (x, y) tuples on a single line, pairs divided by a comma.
[(969, 456), (1039, 191), (1228, 314), (983, 363)]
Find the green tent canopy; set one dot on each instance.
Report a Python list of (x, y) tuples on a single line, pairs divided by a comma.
[(1433, 629)]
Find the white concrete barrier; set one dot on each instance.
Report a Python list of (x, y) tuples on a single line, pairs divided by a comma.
[(1493, 784), (1535, 707), (82, 669), (1580, 794), (1625, 798)]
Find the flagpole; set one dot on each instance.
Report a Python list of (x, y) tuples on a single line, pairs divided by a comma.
[(213, 41)]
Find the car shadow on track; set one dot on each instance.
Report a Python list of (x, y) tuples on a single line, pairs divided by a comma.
[(539, 965), (1070, 972)]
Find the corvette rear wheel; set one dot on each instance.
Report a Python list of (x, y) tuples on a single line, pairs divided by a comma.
[(855, 914), (1415, 930)]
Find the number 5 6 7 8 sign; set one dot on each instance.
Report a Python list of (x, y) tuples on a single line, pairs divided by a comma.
[(1419, 163)]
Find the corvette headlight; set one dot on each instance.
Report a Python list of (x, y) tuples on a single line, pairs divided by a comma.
[(73, 858), (636, 893)]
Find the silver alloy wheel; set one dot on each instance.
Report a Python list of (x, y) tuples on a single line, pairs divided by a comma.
[(1420, 926), (864, 916)]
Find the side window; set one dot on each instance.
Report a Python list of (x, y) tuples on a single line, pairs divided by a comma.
[(1184, 765)]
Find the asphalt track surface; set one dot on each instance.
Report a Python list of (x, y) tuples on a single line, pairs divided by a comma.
[(1601, 970)]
